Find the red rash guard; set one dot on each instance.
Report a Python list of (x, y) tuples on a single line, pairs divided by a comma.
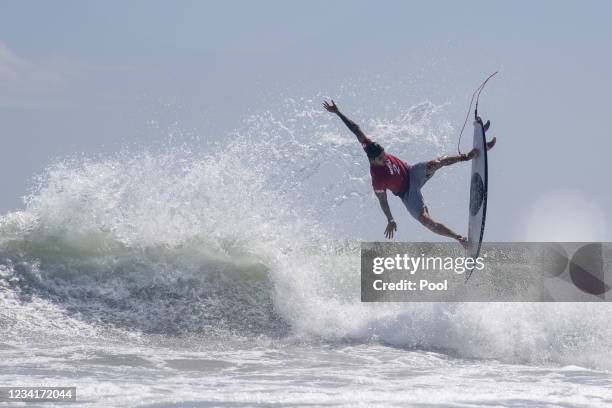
[(393, 175)]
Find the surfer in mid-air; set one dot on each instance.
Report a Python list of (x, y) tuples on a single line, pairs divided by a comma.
[(391, 173)]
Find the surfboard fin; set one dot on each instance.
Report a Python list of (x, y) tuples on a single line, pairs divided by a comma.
[(486, 125)]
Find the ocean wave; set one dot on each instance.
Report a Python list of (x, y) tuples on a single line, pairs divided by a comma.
[(244, 241)]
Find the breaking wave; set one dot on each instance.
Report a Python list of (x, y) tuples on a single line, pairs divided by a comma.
[(259, 238)]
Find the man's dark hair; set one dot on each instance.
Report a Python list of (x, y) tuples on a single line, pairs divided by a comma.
[(373, 150)]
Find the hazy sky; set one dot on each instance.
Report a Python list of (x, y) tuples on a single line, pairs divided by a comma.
[(84, 77)]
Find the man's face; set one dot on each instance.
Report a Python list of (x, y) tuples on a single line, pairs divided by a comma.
[(378, 160)]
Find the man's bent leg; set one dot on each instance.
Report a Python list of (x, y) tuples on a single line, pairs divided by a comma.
[(434, 165), (439, 228), (440, 162)]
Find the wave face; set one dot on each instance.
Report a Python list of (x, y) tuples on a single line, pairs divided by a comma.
[(256, 239)]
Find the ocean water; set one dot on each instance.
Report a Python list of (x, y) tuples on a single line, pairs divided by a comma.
[(230, 277)]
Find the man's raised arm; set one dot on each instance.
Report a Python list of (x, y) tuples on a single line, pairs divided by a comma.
[(333, 108)]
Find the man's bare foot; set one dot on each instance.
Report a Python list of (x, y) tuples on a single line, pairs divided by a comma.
[(491, 143), (463, 241), (475, 152)]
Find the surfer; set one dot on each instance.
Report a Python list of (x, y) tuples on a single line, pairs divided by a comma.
[(391, 173)]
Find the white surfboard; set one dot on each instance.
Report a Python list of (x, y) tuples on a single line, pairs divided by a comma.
[(478, 192)]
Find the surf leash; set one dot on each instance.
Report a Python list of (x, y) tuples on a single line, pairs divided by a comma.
[(476, 95)]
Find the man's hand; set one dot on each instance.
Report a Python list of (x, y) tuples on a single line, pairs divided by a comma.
[(391, 227), (331, 107)]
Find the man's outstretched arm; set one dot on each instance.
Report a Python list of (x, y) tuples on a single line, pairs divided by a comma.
[(384, 204), (333, 108)]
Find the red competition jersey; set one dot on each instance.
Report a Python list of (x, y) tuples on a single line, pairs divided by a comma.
[(393, 175)]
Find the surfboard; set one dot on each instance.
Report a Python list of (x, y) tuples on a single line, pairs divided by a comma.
[(478, 192)]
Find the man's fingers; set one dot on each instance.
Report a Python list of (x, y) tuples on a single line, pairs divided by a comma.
[(389, 232)]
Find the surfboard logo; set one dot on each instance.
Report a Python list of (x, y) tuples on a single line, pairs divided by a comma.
[(476, 194)]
